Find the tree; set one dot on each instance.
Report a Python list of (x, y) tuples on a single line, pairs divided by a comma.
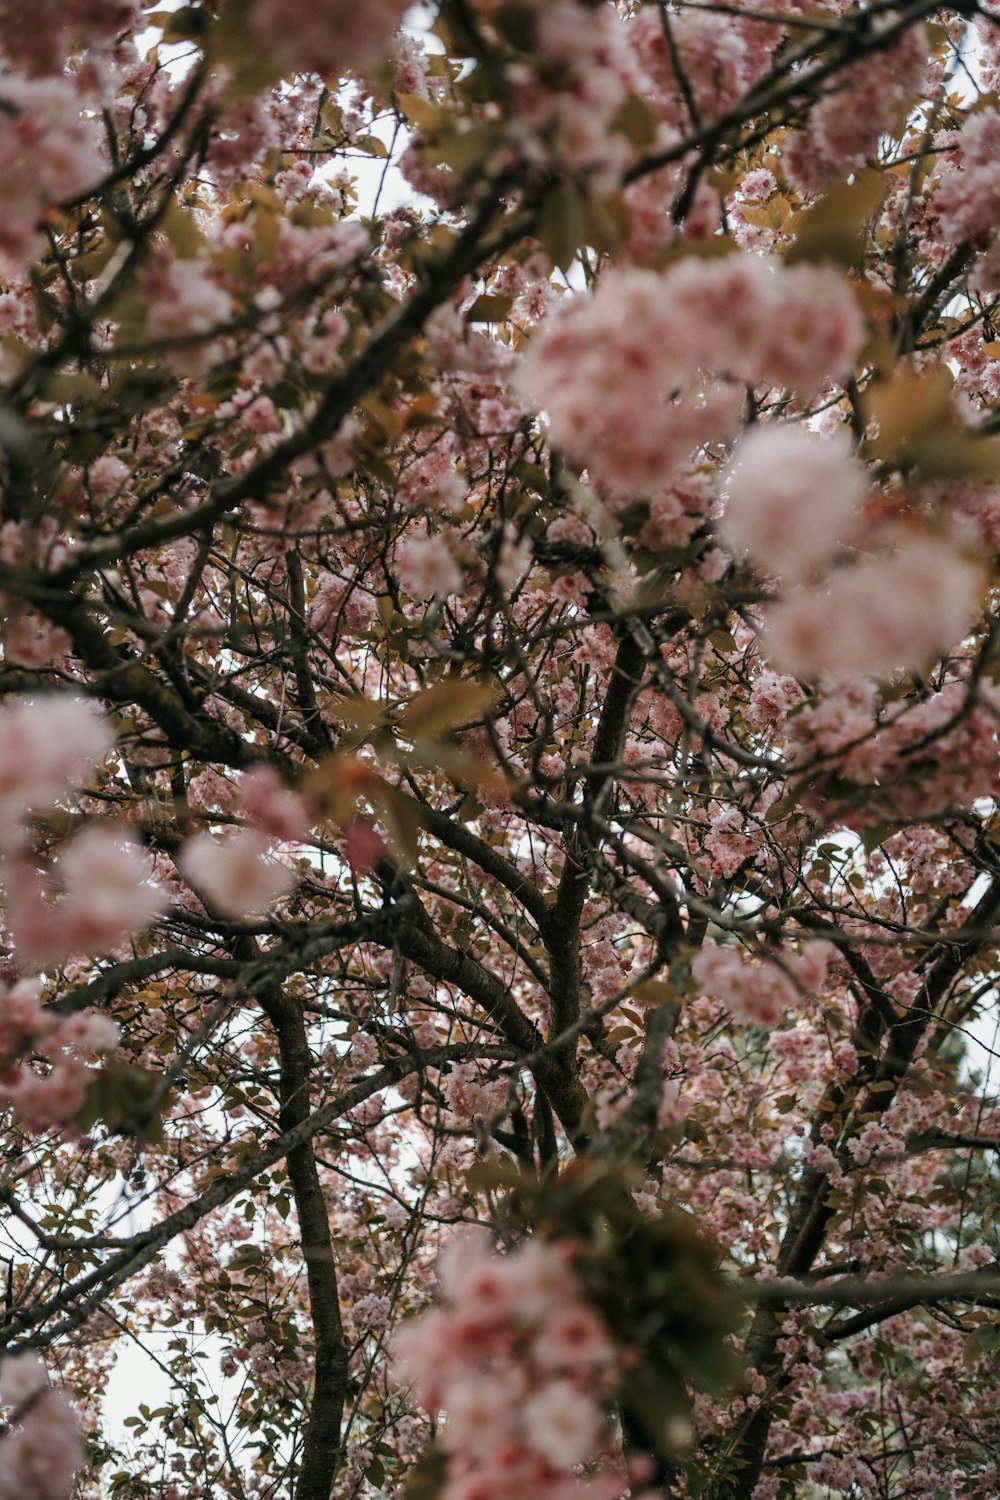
[(498, 751)]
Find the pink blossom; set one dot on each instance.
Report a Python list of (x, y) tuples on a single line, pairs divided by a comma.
[(877, 615), (623, 374), (22, 1376), (482, 1415), (269, 803), (364, 846), (762, 993), (38, 37), (48, 155), (47, 745), (303, 37), (571, 1338), (968, 198), (791, 498), (39, 1458), (237, 875), (426, 567), (567, 100), (507, 1358), (562, 1423), (108, 886), (31, 640), (87, 1031), (844, 128), (106, 895), (185, 301)]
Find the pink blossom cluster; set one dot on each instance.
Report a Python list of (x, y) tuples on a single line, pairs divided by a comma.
[(41, 1099), (271, 805), (792, 498), (717, 56), (883, 612), (38, 37), (184, 304), (47, 746), (238, 875), (520, 1364), (471, 1099), (567, 98), (762, 992), (731, 840), (845, 127), (330, 39), (49, 155), (99, 888), (102, 892), (637, 376), (41, 1450), (967, 201), (926, 758), (426, 566)]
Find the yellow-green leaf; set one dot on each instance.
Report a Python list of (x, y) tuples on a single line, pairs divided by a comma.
[(446, 705)]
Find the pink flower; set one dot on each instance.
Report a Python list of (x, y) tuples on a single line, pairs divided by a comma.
[(22, 1376), (185, 301), (637, 376), (39, 1459), (877, 616), (41, 1453), (364, 846), (792, 496), (107, 894), (496, 1358), (563, 1424), (108, 886), (272, 805), (303, 37), (426, 568), (572, 1338), (471, 1273), (47, 745), (48, 155), (38, 37), (481, 1415), (238, 875)]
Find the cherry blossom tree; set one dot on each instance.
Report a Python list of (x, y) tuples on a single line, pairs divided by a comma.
[(499, 863)]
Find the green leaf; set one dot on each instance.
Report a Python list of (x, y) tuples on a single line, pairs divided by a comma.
[(562, 227), (449, 703), (653, 992), (836, 227), (490, 308), (487, 1176), (425, 1480)]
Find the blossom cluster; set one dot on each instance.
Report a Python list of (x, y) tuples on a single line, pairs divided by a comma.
[(565, 101), (299, 36), (844, 128), (899, 609), (761, 992), (99, 890), (967, 201), (67, 1043), (795, 498), (922, 759), (521, 1366), (38, 37), (622, 374), (41, 1450), (48, 155)]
